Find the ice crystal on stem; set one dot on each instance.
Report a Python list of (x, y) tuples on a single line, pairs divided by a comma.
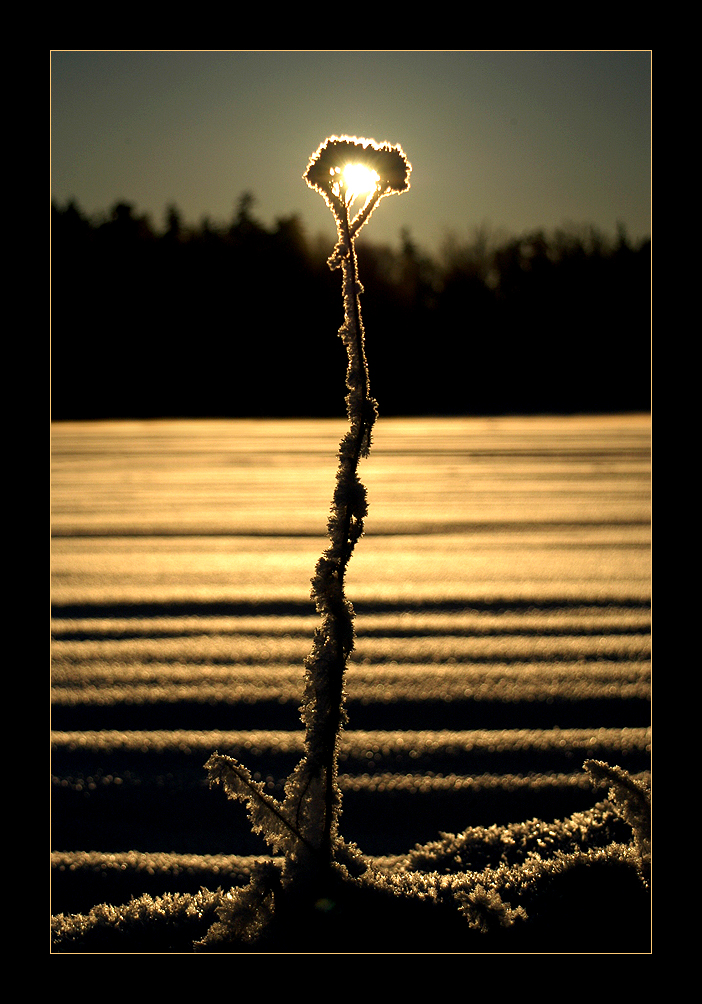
[(305, 826), (632, 801), (336, 171)]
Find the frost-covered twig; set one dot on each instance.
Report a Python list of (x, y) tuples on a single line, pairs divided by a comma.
[(305, 825), (632, 802), (340, 170)]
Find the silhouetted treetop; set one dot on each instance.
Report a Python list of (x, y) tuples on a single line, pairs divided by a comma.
[(197, 320)]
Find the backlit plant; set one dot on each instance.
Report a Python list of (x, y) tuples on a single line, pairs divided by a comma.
[(313, 864), (304, 827), (487, 879)]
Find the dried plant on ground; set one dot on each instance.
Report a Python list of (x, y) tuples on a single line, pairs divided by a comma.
[(317, 893)]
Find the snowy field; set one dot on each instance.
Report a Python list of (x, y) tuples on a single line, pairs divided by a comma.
[(502, 597)]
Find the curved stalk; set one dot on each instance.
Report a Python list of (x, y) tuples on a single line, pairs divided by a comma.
[(323, 709)]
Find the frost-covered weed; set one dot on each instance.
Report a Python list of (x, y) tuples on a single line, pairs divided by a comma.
[(488, 879), (514, 862), (305, 825), (632, 803), (164, 923)]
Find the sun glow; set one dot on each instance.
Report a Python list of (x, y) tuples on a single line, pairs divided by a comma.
[(354, 180)]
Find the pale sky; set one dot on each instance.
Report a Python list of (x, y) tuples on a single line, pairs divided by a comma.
[(513, 140)]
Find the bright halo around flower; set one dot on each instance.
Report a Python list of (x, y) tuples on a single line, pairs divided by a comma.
[(345, 166)]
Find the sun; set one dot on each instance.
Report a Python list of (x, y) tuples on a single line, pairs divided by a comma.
[(354, 180), (359, 180)]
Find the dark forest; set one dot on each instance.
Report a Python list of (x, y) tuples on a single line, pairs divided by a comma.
[(240, 320)]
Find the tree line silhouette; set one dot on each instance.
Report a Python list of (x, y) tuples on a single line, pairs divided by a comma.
[(241, 320)]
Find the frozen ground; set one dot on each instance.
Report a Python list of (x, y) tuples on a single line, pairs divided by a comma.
[(502, 594)]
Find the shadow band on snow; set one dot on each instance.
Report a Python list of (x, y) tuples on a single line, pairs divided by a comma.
[(292, 608)]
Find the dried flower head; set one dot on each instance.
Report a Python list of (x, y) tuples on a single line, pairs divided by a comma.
[(346, 166)]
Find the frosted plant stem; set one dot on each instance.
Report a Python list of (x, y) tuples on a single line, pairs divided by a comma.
[(351, 297), (323, 710), (312, 795), (304, 827)]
